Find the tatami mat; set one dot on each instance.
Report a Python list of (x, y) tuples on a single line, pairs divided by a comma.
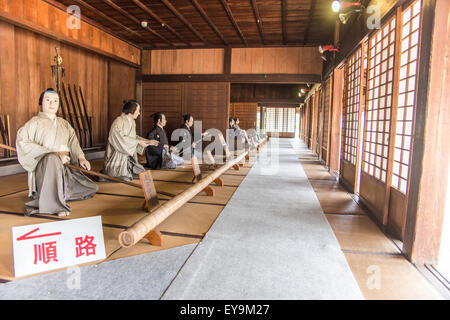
[(120, 206)]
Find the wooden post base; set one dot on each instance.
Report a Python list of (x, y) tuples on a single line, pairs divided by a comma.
[(210, 192), (155, 238), (219, 182)]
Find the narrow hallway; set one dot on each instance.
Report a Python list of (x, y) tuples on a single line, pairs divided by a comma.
[(379, 267)]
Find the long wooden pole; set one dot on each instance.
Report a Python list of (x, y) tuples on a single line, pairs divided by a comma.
[(70, 114), (97, 174), (142, 227), (4, 146), (89, 125), (78, 119)]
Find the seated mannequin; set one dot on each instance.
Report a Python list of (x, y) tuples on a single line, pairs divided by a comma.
[(158, 156), (121, 159), (186, 145), (44, 144), (242, 134)]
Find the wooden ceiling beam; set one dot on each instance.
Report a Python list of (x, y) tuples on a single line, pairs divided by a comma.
[(233, 21), (258, 20), (308, 27), (208, 20), (183, 19), (159, 20), (283, 20), (134, 19), (104, 16)]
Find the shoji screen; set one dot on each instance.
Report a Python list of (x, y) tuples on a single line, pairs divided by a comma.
[(281, 120), (352, 89), (407, 95), (381, 54)]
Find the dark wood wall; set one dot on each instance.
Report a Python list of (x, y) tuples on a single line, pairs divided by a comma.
[(121, 86), (208, 102), (295, 60), (25, 63), (246, 112), (186, 61), (265, 93)]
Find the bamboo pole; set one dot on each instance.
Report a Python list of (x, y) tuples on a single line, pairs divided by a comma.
[(4, 146), (144, 226)]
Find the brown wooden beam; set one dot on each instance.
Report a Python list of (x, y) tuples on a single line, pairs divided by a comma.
[(233, 21), (235, 78), (336, 119), (308, 27), (289, 45), (268, 101), (227, 61), (258, 20), (183, 19), (208, 20), (283, 20), (159, 20), (132, 18), (362, 106)]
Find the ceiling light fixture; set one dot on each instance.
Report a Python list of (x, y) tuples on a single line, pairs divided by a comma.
[(336, 6)]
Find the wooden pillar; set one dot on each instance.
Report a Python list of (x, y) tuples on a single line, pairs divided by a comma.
[(227, 60), (328, 123), (336, 119), (430, 158), (362, 106)]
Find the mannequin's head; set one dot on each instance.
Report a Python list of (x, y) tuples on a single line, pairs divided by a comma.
[(132, 107), (188, 120), (159, 119), (49, 101)]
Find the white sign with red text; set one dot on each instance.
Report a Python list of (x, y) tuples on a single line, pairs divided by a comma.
[(49, 246)]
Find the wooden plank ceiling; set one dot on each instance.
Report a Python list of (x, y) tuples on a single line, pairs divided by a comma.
[(211, 23)]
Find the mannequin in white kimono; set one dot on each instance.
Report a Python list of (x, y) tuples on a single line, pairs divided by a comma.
[(124, 144), (44, 144)]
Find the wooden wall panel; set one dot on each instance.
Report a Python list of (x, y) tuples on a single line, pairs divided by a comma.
[(43, 18), (208, 102), (397, 214), (162, 97), (183, 61), (25, 71), (348, 174), (265, 93), (372, 190), (290, 60), (122, 86), (246, 112)]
